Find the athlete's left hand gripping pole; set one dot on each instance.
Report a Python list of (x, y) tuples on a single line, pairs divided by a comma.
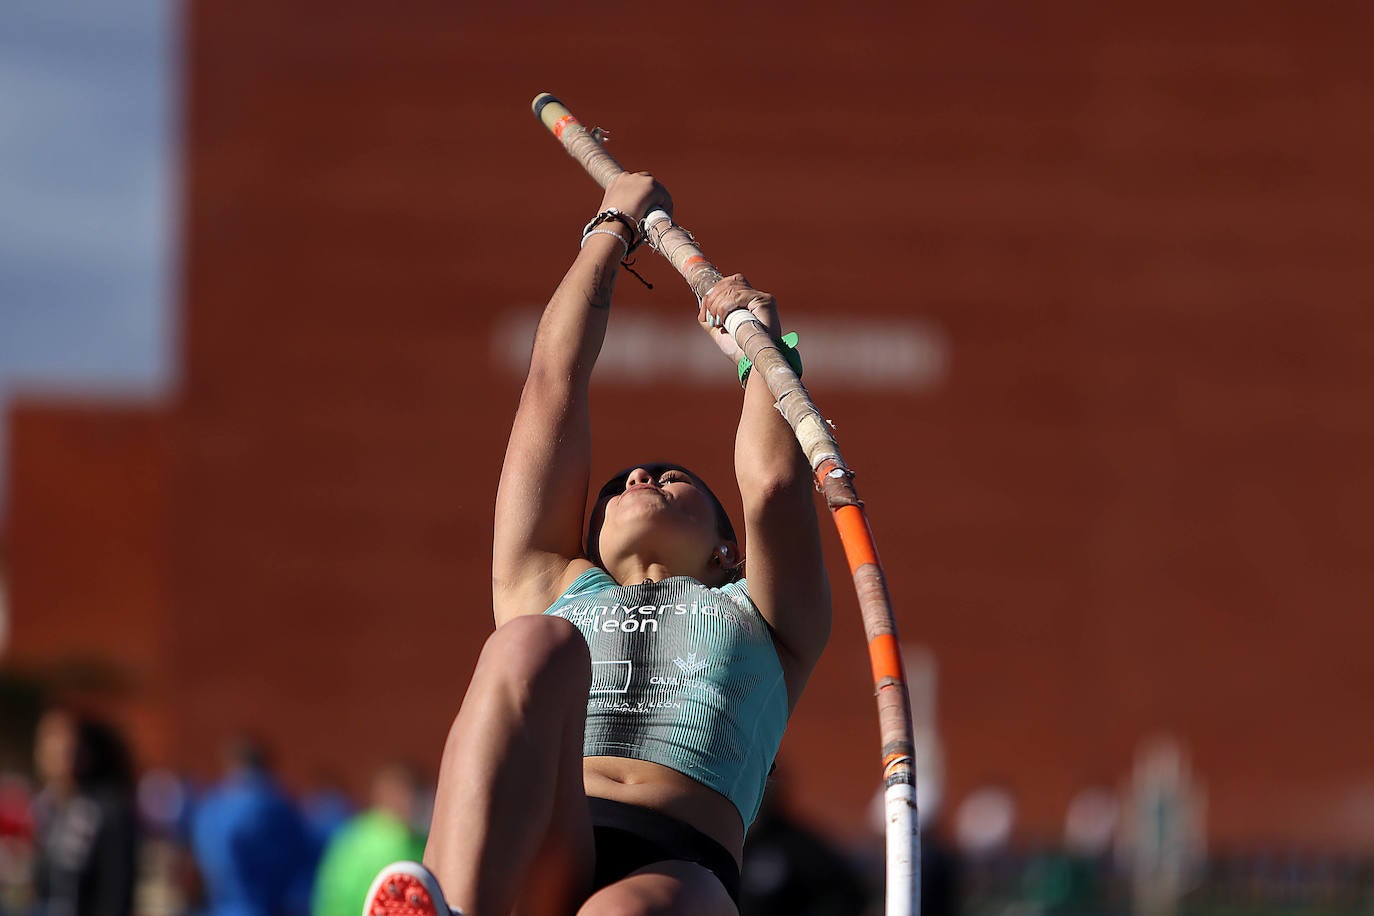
[(834, 479)]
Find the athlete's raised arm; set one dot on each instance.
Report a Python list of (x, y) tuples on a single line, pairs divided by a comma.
[(783, 561), (543, 490)]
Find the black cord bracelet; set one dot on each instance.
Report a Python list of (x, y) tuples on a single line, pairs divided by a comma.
[(611, 214)]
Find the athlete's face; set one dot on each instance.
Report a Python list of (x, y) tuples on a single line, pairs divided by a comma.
[(664, 505)]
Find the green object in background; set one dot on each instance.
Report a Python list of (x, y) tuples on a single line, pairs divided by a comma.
[(355, 854)]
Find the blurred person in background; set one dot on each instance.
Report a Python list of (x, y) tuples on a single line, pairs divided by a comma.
[(170, 885), (614, 742), (16, 842), (326, 807), (85, 818), (789, 869), (250, 843), (941, 878), (383, 833)]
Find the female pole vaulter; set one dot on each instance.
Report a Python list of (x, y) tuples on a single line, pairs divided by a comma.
[(612, 748)]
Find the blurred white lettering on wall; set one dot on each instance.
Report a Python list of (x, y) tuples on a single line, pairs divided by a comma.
[(895, 355)]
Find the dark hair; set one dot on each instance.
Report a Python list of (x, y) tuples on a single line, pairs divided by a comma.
[(616, 484), (103, 760), (246, 752)]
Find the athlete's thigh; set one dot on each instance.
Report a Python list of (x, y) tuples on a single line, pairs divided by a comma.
[(566, 861), (663, 889)]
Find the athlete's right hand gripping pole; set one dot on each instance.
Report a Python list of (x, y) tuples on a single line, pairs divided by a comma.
[(834, 479)]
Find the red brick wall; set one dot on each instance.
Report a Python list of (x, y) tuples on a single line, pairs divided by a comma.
[(1137, 501), (87, 559)]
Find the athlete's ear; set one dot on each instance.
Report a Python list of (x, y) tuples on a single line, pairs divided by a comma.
[(727, 555)]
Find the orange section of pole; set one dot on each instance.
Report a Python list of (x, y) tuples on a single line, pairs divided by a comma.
[(855, 536), (886, 659)]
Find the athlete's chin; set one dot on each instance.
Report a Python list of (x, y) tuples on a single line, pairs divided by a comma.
[(640, 515)]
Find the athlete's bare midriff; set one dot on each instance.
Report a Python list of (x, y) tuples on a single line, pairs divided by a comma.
[(662, 789)]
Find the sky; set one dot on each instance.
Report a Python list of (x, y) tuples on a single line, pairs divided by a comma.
[(87, 205)]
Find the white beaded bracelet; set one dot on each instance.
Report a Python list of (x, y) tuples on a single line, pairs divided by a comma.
[(615, 235)]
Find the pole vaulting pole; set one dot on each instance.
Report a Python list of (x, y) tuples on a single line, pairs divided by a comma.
[(835, 481)]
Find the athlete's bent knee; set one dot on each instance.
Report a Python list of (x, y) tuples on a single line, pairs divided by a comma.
[(536, 647)]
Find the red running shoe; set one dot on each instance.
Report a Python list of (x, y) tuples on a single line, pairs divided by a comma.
[(407, 889)]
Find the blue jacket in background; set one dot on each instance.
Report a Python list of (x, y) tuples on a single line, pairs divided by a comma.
[(254, 854)]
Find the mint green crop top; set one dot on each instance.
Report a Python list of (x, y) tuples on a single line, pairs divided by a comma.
[(683, 675)]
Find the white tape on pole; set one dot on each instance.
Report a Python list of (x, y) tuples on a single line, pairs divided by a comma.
[(903, 851), (737, 318)]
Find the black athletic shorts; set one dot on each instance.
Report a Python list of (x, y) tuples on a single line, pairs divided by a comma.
[(629, 837)]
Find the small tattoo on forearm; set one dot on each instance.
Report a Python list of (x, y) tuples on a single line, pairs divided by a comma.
[(602, 285)]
